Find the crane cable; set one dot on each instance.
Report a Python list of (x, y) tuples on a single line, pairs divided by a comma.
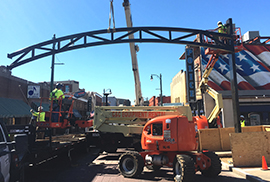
[(111, 15)]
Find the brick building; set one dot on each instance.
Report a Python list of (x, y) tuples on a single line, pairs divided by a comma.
[(18, 96)]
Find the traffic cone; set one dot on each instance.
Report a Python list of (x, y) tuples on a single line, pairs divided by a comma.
[(264, 164)]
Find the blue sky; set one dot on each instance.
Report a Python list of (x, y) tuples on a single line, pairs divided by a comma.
[(28, 22)]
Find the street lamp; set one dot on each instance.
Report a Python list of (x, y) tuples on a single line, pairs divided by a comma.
[(160, 78), (106, 94)]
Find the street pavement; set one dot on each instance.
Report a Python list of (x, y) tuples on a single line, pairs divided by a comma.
[(253, 174), (103, 167)]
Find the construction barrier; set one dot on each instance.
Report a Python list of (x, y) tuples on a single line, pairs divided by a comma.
[(248, 148), (218, 139)]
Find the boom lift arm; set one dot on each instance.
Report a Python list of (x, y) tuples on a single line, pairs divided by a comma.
[(133, 49), (206, 89), (130, 120)]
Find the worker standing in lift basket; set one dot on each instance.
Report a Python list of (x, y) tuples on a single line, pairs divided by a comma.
[(56, 94), (222, 29)]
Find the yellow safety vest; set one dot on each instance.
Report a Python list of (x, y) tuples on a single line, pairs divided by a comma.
[(40, 116), (56, 93), (222, 29), (243, 123)]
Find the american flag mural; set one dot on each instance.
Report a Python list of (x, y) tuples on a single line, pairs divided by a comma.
[(252, 67)]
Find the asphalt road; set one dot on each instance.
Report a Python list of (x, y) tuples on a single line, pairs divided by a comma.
[(92, 166)]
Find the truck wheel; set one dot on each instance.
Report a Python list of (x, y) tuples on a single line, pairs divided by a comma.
[(153, 167), (215, 168), (131, 164), (184, 168)]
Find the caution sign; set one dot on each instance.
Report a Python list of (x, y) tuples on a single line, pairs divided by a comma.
[(33, 91), (191, 92)]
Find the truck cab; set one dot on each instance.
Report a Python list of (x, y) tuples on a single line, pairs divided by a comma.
[(169, 133), (5, 154), (10, 166)]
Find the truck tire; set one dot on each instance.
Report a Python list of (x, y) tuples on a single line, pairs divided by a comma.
[(215, 168), (131, 164), (183, 168)]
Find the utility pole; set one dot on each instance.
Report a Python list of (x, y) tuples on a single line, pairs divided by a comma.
[(234, 87), (160, 82), (53, 59)]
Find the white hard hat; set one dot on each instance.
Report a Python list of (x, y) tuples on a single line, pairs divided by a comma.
[(242, 116), (219, 22), (40, 108)]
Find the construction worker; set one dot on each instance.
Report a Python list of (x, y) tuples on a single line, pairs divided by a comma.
[(40, 115), (242, 121), (57, 92), (221, 29), (55, 95)]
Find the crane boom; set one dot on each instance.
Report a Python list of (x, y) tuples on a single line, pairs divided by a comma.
[(133, 48)]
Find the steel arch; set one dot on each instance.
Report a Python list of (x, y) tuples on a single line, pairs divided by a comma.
[(116, 36)]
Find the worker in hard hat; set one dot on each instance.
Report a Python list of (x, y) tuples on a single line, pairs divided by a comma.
[(40, 115), (56, 95), (221, 29), (242, 121), (57, 92)]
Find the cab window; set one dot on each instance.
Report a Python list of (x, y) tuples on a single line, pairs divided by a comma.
[(157, 129), (2, 139)]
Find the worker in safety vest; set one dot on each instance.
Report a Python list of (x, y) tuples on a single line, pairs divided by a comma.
[(55, 95), (57, 92), (40, 114), (242, 121), (221, 29)]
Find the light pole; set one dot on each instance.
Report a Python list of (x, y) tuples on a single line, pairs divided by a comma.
[(160, 78), (106, 95)]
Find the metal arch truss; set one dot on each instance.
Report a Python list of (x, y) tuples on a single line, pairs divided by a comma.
[(120, 35)]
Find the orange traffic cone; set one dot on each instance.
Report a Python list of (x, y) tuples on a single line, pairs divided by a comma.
[(264, 164)]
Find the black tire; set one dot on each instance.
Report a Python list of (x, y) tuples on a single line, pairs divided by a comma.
[(183, 168), (153, 167), (131, 164), (215, 169)]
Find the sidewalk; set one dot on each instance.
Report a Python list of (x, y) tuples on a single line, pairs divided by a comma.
[(253, 174)]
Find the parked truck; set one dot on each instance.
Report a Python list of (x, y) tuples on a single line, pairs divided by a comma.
[(33, 149), (11, 168)]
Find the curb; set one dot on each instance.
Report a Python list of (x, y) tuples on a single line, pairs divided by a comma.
[(242, 173)]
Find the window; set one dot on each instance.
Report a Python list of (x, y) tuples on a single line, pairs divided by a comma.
[(67, 88), (157, 129), (2, 139)]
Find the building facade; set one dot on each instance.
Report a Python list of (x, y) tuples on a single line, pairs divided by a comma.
[(253, 81)]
